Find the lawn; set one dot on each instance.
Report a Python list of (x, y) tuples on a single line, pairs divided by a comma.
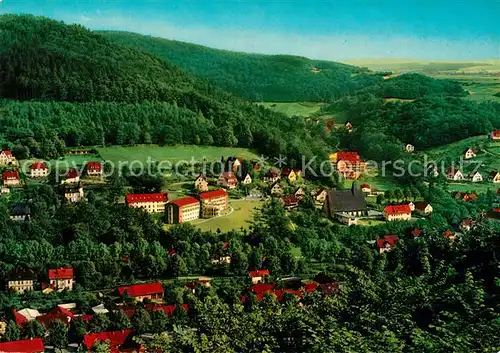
[(243, 213), (379, 183), (304, 109)]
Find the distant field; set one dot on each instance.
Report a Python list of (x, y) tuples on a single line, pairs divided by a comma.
[(173, 154), (304, 109)]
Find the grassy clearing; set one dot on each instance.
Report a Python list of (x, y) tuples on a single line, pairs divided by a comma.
[(172, 154), (240, 218), (304, 109), (379, 183), (456, 149)]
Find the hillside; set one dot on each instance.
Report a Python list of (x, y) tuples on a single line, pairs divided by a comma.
[(256, 77), (90, 90)]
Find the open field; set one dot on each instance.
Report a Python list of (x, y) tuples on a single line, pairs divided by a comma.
[(378, 182), (172, 154), (243, 213), (304, 109)]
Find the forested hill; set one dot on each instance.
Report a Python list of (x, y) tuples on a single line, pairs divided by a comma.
[(254, 76), (68, 68)]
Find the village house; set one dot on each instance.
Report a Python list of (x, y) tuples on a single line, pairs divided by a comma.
[(409, 148), (467, 225), (183, 210), (465, 196), (201, 183), (258, 276), (319, 196), (222, 255), (494, 177), (73, 193), (450, 235), (289, 174), (39, 170), (21, 280), (366, 188), (410, 204), (152, 291), (151, 203), (20, 213), (290, 202), (423, 208), (416, 232), (10, 178), (6, 158), (495, 135), (348, 164), (71, 177), (300, 193), (61, 278), (348, 126), (349, 203), (32, 345), (214, 203), (397, 213), (232, 163), (271, 176), (227, 180), (247, 179), (454, 174), (469, 153), (276, 189), (475, 177), (387, 243), (94, 169)]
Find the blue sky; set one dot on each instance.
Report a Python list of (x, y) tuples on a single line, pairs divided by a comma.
[(328, 29)]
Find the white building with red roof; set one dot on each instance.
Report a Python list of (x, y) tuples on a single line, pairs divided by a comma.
[(139, 292), (39, 170), (397, 213), (387, 243), (94, 169), (183, 210), (61, 278), (72, 177), (10, 178), (227, 180), (151, 203), (214, 203), (6, 157), (258, 276)]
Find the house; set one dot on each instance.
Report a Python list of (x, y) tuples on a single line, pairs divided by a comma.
[(298, 173), (10, 178), (300, 193), (94, 169), (495, 135), (346, 219), (494, 177), (222, 255), (247, 179), (387, 243), (465, 196), (366, 188), (348, 164), (72, 177), (233, 163), (61, 278), (118, 341), (410, 204), (454, 174), (26, 313), (290, 202), (20, 213), (397, 213), (58, 313), (214, 203), (33, 345), (409, 148), (467, 224), (21, 280), (6, 157), (450, 235), (152, 291), (475, 177), (423, 208), (276, 189), (183, 210), (289, 174), (271, 176), (469, 153), (201, 183), (39, 170), (350, 202), (227, 180), (348, 126), (151, 203), (4, 190), (319, 196), (416, 232), (258, 276), (73, 193)]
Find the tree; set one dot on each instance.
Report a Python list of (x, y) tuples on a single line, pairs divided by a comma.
[(12, 332), (141, 321), (58, 334), (389, 195), (100, 347), (33, 329), (119, 321), (99, 323), (398, 194), (380, 199)]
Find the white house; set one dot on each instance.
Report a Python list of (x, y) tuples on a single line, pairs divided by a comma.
[(423, 208), (454, 174), (476, 177), (469, 153), (410, 148)]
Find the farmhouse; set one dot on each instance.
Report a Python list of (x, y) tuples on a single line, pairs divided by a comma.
[(387, 243), (475, 177), (10, 178), (201, 183), (6, 157), (300, 193), (290, 202), (183, 210), (495, 135), (21, 280), (397, 213), (61, 278), (271, 176), (214, 203), (227, 180), (73, 193), (247, 179), (39, 170), (366, 188), (20, 212), (351, 202), (348, 164), (258, 276), (33, 345), (454, 174), (152, 291), (151, 203), (94, 169), (289, 174), (423, 208), (319, 196), (494, 177), (469, 153), (409, 148), (276, 189)]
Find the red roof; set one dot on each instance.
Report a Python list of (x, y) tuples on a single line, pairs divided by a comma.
[(184, 201), (58, 313), (229, 177), (10, 175), (20, 319), (365, 186), (156, 197), (23, 346), (262, 288), (7, 153), (139, 290), (280, 293), (258, 273), (495, 133), (397, 209), (388, 240), (39, 165), (72, 174), (352, 157), (311, 287), (114, 338), (290, 200), (286, 172), (416, 232), (211, 194), (94, 166), (61, 273)]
